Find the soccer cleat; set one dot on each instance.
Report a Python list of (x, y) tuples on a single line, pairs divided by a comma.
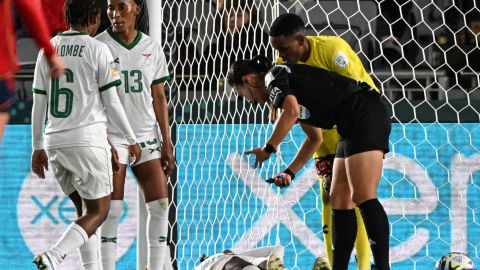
[(275, 263), (321, 264), (44, 261)]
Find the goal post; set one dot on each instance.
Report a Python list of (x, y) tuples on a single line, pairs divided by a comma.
[(430, 182)]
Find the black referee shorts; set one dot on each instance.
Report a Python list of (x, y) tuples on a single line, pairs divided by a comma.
[(364, 125)]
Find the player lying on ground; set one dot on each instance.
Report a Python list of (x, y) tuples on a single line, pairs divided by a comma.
[(317, 98), (74, 141), (269, 258), (262, 258)]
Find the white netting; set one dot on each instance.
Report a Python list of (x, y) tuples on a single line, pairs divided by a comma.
[(424, 55)]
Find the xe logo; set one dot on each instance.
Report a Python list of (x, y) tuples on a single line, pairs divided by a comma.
[(44, 212)]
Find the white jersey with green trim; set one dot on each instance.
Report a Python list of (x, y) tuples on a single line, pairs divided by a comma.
[(141, 65), (76, 115)]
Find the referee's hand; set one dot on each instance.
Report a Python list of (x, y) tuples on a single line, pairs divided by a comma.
[(260, 156), (282, 180)]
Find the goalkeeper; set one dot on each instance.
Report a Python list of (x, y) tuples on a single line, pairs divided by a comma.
[(287, 36)]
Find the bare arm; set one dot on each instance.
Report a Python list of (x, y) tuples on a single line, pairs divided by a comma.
[(288, 117), (311, 143), (161, 113), (307, 149)]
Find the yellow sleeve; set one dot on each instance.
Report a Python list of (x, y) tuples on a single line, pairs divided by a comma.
[(279, 60)]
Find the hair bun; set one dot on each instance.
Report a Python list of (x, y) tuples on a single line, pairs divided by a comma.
[(261, 63)]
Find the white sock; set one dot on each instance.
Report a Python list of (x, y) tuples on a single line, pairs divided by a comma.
[(73, 237), (89, 253), (109, 235), (167, 263), (157, 229)]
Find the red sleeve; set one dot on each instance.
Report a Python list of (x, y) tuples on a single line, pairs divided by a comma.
[(32, 15)]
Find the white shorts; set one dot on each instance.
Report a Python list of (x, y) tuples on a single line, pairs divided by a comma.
[(150, 150), (85, 169)]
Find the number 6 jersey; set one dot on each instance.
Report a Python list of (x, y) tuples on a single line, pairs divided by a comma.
[(75, 112), (141, 64)]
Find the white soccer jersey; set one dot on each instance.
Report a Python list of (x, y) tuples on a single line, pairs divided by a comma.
[(76, 115), (255, 256), (141, 64)]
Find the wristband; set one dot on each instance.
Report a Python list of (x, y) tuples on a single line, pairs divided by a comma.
[(289, 172), (269, 148)]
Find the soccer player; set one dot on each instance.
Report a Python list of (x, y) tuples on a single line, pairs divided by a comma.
[(318, 98), (75, 138), (287, 36), (261, 258), (33, 17), (143, 68)]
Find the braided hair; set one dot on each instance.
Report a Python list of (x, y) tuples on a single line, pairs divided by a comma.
[(82, 12)]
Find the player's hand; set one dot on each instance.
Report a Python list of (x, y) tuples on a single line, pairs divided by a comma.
[(282, 180), (115, 161), (168, 159), (135, 151), (260, 156), (39, 162), (57, 67)]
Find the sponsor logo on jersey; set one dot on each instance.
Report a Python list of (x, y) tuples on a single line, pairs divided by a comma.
[(273, 96), (341, 60), (44, 212)]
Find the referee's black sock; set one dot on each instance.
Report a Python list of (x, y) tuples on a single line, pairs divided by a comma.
[(344, 227), (378, 230)]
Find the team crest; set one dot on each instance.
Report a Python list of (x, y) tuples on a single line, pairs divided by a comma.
[(146, 56), (304, 113), (114, 67)]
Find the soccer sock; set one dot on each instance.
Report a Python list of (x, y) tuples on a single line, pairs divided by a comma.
[(344, 226), (327, 224), (109, 235), (362, 247), (89, 253), (157, 229), (376, 223), (73, 237), (167, 263)]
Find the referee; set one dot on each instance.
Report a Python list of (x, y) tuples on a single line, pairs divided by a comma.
[(320, 99), (287, 36)]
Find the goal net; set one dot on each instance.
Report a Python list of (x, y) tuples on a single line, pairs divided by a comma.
[(422, 54)]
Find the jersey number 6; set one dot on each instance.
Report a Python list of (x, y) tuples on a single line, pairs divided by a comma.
[(55, 96)]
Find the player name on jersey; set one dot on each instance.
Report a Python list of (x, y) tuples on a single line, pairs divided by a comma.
[(70, 50)]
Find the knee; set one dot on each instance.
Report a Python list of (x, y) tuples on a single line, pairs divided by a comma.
[(340, 200), (157, 208)]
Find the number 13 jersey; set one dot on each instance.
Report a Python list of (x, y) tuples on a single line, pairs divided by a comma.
[(140, 64)]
